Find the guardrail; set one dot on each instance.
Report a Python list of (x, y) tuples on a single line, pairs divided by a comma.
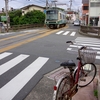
[(93, 30), (18, 27)]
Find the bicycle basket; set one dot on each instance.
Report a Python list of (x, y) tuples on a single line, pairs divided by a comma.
[(88, 55)]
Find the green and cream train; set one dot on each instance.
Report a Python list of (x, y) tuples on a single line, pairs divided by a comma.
[(55, 18)]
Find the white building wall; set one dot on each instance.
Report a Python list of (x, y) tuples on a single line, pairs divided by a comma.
[(94, 12)]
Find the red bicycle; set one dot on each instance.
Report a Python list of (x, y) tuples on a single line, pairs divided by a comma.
[(82, 75)]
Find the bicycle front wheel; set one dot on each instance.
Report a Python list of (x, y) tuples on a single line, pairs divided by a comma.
[(63, 86), (86, 75)]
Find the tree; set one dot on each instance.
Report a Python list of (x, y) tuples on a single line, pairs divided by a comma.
[(14, 17), (31, 17), (35, 16)]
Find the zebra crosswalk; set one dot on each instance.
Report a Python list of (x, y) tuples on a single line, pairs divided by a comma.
[(9, 90), (94, 43), (66, 33)]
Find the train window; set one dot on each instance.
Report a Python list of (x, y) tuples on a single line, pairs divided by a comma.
[(52, 12), (62, 16)]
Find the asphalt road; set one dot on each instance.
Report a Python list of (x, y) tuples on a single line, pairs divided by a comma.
[(26, 59)]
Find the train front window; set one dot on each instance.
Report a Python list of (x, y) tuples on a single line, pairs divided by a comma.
[(52, 15)]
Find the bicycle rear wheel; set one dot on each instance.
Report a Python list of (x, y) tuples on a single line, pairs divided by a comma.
[(62, 87), (86, 75)]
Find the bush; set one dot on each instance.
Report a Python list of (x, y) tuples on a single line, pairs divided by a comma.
[(31, 17)]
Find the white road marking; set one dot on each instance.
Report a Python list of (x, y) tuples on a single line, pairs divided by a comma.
[(66, 33), (73, 34), (87, 39), (69, 48), (59, 32), (93, 43), (77, 46), (5, 54), (97, 57), (8, 65), (8, 91)]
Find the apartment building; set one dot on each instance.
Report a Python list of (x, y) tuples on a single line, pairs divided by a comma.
[(94, 12), (91, 12)]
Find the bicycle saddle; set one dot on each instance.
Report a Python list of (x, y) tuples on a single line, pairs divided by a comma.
[(69, 63)]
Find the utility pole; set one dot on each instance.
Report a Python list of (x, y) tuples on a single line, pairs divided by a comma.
[(46, 4), (78, 13), (53, 3), (70, 4), (6, 10)]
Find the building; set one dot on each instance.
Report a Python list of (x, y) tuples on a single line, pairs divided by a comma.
[(31, 8), (91, 12), (72, 16), (85, 11), (94, 12)]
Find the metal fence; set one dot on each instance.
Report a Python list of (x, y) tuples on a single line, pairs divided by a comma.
[(18, 27)]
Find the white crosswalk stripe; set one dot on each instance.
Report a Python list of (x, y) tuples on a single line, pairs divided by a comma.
[(94, 43), (11, 88), (73, 34), (5, 54), (59, 32), (8, 65), (66, 33)]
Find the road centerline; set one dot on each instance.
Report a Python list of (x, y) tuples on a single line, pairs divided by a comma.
[(26, 41)]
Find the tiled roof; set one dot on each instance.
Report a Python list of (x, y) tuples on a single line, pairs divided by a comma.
[(26, 7)]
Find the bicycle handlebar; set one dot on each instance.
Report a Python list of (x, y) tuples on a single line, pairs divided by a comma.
[(83, 47), (69, 42)]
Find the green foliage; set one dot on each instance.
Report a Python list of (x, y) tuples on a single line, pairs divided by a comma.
[(22, 20), (31, 17), (35, 16), (16, 20), (14, 17), (96, 93)]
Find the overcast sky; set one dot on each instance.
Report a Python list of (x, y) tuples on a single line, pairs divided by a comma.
[(21, 3)]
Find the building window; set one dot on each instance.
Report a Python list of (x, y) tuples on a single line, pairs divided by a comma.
[(85, 7), (95, 4)]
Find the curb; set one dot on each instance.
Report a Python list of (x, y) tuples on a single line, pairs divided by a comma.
[(90, 35)]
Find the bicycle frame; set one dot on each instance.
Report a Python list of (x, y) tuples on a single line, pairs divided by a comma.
[(74, 81), (78, 71)]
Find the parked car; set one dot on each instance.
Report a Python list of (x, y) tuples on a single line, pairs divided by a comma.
[(76, 22)]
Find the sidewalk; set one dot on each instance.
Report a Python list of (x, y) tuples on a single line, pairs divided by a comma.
[(20, 31), (44, 90)]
